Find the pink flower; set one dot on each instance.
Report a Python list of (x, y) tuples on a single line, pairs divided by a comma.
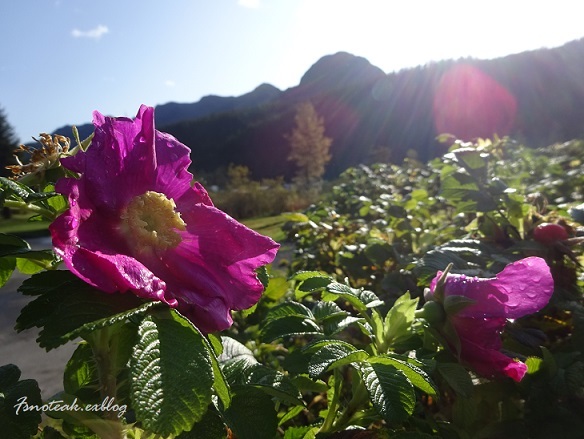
[(137, 223), (523, 287)]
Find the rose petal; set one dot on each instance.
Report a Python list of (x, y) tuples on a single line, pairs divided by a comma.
[(479, 348), (522, 288)]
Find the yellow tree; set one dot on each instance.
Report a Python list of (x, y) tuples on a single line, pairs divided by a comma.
[(309, 147)]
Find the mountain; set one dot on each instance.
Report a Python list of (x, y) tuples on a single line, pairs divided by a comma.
[(173, 112), (536, 97)]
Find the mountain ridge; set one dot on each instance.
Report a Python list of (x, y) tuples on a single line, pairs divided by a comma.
[(371, 114)]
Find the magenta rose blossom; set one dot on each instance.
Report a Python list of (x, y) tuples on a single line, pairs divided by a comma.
[(523, 287), (137, 223)]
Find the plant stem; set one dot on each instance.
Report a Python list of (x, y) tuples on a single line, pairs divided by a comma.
[(333, 404), (360, 397), (30, 208), (104, 357)]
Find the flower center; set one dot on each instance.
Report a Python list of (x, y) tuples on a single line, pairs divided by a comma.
[(150, 220)]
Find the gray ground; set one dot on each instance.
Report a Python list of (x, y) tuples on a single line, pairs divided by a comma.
[(21, 349)]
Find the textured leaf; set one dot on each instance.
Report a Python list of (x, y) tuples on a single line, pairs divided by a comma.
[(171, 385), (67, 308), (413, 373), (399, 318), (16, 188), (457, 377), (232, 348), (390, 391), (304, 275), (244, 370), (35, 261), (533, 364), (213, 345), (77, 313), (210, 427), (332, 356), (288, 326), (81, 371), (276, 289), (12, 245), (252, 414), (18, 423), (322, 310), (286, 309), (7, 266), (274, 383), (361, 299)]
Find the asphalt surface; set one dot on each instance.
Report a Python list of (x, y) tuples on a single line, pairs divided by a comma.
[(21, 348)]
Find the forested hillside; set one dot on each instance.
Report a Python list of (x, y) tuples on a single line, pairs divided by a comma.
[(536, 97)]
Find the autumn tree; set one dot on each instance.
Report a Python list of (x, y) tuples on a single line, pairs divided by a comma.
[(8, 143), (309, 147)]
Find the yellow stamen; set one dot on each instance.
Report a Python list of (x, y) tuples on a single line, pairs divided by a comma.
[(150, 220)]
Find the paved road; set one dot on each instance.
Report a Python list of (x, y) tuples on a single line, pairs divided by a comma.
[(21, 349)]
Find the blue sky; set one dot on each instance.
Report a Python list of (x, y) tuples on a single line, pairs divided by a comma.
[(62, 59)]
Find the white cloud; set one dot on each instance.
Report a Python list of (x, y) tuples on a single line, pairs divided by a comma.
[(252, 4), (95, 33), (169, 83)]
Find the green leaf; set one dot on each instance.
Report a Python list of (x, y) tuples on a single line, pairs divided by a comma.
[(457, 377), (57, 202), (252, 414), (276, 289), (171, 385), (290, 414), (399, 319), (7, 266), (296, 217), (15, 397), (334, 355), (288, 326), (81, 372), (308, 282), (413, 373), (304, 275), (69, 308), (274, 383), (18, 189), (390, 391), (232, 349), (305, 384), (35, 261), (12, 245), (263, 276), (210, 427), (361, 299), (533, 364), (324, 310), (286, 309)]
